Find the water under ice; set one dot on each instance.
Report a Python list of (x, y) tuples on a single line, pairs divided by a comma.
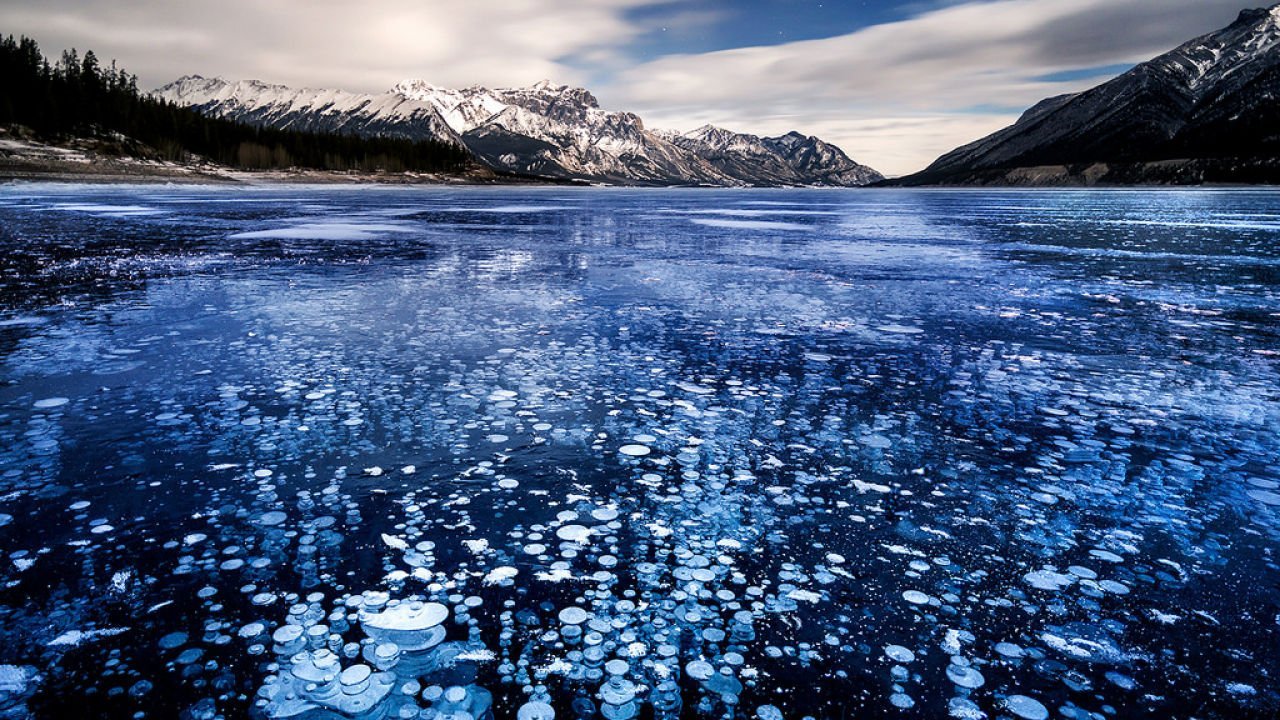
[(539, 453)]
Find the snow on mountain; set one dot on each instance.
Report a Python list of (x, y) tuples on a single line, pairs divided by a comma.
[(791, 159), (311, 110), (546, 129), (1211, 105)]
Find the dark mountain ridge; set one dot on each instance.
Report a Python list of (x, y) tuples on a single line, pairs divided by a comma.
[(1207, 111)]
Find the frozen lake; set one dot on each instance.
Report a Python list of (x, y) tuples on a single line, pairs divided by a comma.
[(318, 452)]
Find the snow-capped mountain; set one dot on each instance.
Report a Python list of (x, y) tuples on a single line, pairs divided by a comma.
[(311, 110), (546, 129), (1208, 110), (791, 159)]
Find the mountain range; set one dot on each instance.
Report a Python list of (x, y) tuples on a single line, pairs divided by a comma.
[(1207, 111), (547, 130)]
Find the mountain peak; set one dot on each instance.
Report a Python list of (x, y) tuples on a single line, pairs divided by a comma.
[(413, 85)]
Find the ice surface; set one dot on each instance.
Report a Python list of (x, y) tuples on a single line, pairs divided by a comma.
[(382, 452), (750, 224)]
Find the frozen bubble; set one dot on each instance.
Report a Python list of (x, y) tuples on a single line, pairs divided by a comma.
[(52, 402), (898, 653), (1048, 580), (412, 626), (768, 712), (965, 676), (1114, 587), (534, 710), (573, 533), (963, 708), (1265, 497), (1009, 650), (173, 640), (915, 597), (1026, 707), (634, 450), (573, 616), (500, 575), (699, 669), (274, 517), (900, 329), (901, 700), (1082, 572)]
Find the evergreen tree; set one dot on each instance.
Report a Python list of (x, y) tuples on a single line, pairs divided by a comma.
[(78, 96)]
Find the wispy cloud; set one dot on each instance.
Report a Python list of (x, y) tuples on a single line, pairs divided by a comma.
[(365, 46), (899, 94)]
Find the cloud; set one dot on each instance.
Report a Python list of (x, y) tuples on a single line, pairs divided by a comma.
[(363, 46), (898, 95)]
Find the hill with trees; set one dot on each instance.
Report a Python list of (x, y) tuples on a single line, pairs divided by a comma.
[(78, 96)]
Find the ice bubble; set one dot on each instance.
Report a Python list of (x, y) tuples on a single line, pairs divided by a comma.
[(411, 625), (52, 402), (1026, 708), (963, 708), (901, 700), (573, 616), (534, 710), (915, 597), (273, 517), (634, 450), (965, 676), (768, 712), (500, 575), (1009, 650), (1048, 580), (574, 533), (1106, 555), (1265, 497), (898, 653), (1114, 587), (173, 640), (699, 670)]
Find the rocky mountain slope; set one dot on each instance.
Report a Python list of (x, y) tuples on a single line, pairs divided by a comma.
[(549, 130), (1207, 111), (791, 159)]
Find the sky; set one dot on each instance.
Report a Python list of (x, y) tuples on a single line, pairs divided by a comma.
[(895, 84)]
